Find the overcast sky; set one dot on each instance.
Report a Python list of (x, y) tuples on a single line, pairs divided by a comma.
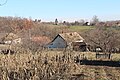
[(69, 10)]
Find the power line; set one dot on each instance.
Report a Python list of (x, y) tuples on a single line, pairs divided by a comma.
[(4, 3)]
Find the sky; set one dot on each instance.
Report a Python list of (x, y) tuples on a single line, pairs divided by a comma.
[(68, 10)]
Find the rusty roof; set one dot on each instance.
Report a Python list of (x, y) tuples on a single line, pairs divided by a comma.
[(11, 36), (40, 39), (71, 37)]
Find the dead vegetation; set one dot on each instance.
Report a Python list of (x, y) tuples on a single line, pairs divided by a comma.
[(51, 65), (30, 62)]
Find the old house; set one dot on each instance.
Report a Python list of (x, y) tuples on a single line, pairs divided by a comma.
[(68, 40), (11, 38)]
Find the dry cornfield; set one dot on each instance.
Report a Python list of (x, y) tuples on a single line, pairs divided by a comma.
[(52, 65)]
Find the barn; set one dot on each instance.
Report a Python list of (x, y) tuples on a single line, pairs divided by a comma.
[(68, 40)]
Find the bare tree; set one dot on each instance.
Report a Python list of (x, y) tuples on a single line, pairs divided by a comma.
[(105, 38), (95, 20)]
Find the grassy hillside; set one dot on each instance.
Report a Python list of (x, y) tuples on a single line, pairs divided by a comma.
[(81, 28)]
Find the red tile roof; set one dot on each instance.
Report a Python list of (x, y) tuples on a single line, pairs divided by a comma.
[(40, 39)]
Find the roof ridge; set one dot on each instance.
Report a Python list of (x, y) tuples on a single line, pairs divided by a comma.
[(71, 36)]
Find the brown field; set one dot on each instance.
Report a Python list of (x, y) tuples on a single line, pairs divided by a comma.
[(51, 65)]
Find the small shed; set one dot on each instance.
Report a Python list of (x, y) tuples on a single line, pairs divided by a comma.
[(11, 38), (68, 40)]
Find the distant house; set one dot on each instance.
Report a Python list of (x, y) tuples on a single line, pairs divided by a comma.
[(86, 24), (68, 40)]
